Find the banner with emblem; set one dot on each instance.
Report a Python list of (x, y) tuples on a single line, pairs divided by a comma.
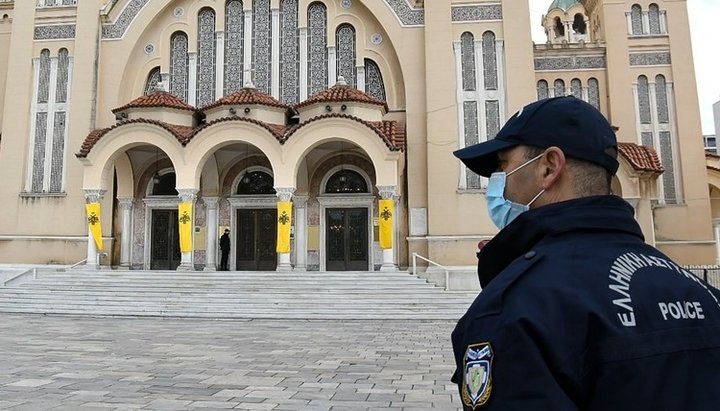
[(284, 212), (185, 221), (93, 219), (386, 222), (477, 375)]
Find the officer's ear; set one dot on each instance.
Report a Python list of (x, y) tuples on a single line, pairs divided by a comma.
[(552, 167)]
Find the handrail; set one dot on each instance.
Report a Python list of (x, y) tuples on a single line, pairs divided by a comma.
[(447, 270), (22, 273), (77, 264)]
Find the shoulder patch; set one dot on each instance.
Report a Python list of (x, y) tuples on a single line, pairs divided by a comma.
[(477, 375)]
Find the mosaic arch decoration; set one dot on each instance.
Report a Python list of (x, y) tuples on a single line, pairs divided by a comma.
[(407, 15), (117, 29), (476, 13), (152, 80), (374, 85), (55, 32)]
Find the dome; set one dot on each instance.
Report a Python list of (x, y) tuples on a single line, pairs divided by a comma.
[(563, 5)]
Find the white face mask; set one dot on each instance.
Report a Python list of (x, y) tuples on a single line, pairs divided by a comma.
[(503, 211)]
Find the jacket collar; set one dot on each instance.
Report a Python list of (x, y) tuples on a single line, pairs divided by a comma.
[(588, 214)]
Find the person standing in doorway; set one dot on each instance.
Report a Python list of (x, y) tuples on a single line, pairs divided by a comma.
[(225, 250)]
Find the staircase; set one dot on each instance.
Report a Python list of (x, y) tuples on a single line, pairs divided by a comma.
[(234, 295)]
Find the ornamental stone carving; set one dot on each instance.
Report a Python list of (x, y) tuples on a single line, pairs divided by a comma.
[(476, 13), (407, 15), (650, 59), (55, 32), (117, 29), (570, 63)]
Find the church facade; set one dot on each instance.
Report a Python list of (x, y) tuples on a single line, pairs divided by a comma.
[(320, 132)]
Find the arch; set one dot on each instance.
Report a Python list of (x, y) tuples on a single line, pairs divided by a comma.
[(636, 19), (594, 92), (490, 68), (234, 46), (374, 84), (125, 176), (346, 45), (644, 99), (179, 62), (317, 57), (467, 61), (559, 87), (579, 25), (559, 27), (210, 178), (542, 89), (576, 88), (654, 18), (313, 134), (99, 162), (206, 52), (153, 78), (328, 175), (261, 174)]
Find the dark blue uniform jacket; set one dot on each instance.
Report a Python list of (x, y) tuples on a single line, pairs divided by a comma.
[(578, 313)]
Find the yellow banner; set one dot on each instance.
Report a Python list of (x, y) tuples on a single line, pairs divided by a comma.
[(284, 220), (185, 221), (386, 223), (93, 219)]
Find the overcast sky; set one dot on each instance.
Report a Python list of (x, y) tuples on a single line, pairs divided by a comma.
[(704, 17)]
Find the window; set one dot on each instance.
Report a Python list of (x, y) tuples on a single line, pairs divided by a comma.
[(289, 53), (579, 25), (179, 65), (594, 92), (346, 181), (317, 48), (644, 100), (542, 89), (559, 28), (234, 46), (374, 85), (467, 50), (576, 88), (255, 183), (654, 18), (153, 80), (345, 40), (489, 61), (636, 19), (206, 57), (559, 88), (261, 45)]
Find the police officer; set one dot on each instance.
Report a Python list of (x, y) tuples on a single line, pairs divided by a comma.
[(577, 312)]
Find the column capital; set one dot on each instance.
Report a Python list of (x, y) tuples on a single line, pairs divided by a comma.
[(94, 195), (388, 192), (211, 202), (284, 193), (187, 194), (126, 203), (300, 201)]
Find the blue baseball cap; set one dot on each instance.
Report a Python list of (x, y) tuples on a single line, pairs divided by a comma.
[(574, 126)]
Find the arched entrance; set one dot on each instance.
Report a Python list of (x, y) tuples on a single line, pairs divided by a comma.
[(255, 222)]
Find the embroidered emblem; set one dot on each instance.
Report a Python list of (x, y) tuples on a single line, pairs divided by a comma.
[(93, 219), (284, 218), (477, 378)]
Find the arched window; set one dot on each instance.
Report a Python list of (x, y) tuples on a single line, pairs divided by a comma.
[(152, 81), (594, 93), (654, 18), (289, 52), (206, 57), (62, 76), (661, 99), (579, 25), (489, 60), (179, 65), (164, 185), (261, 45), (345, 40), (234, 45), (644, 100), (467, 53), (255, 183), (44, 86), (576, 88), (636, 19), (542, 89), (374, 85), (346, 181), (317, 48), (559, 88), (559, 28)]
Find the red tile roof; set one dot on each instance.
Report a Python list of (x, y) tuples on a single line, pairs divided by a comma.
[(181, 133), (642, 158), (275, 129), (157, 99), (341, 93), (381, 128), (247, 96)]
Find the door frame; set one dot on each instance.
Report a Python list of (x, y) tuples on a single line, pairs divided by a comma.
[(245, 201), (155, 203), (346, 201)]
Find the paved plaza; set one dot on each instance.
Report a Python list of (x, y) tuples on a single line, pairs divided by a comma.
[(87, 363)]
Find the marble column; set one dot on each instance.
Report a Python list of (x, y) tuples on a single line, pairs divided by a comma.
[(285, 194), (388, 254), (93, 257), (300, 220), (211, 238), (126, 206), (186, 259)]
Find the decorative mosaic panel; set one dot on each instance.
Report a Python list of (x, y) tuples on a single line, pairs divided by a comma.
[(346, 53), (55, 32), (594, 93), (492, 118), (152, 80), (62, 76), (467, 59), (489, 61), (570, 63), (661, 99), (636, 19), (117, 29), (289, 53), (408, 16), (317, 48), (44, 79), (374, 85), (234, 46), (559, 88), (39, 152), (542, 90), (261, 45), (470, 116), (644, 100), (179, 62), (58, 151), (51, 3), (654, 19), (668, 177), (576, 88), (647, 138), (476, 13), (206, 57), (650, 59)]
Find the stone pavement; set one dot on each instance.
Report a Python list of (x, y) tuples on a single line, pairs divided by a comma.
[(88, 363)]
